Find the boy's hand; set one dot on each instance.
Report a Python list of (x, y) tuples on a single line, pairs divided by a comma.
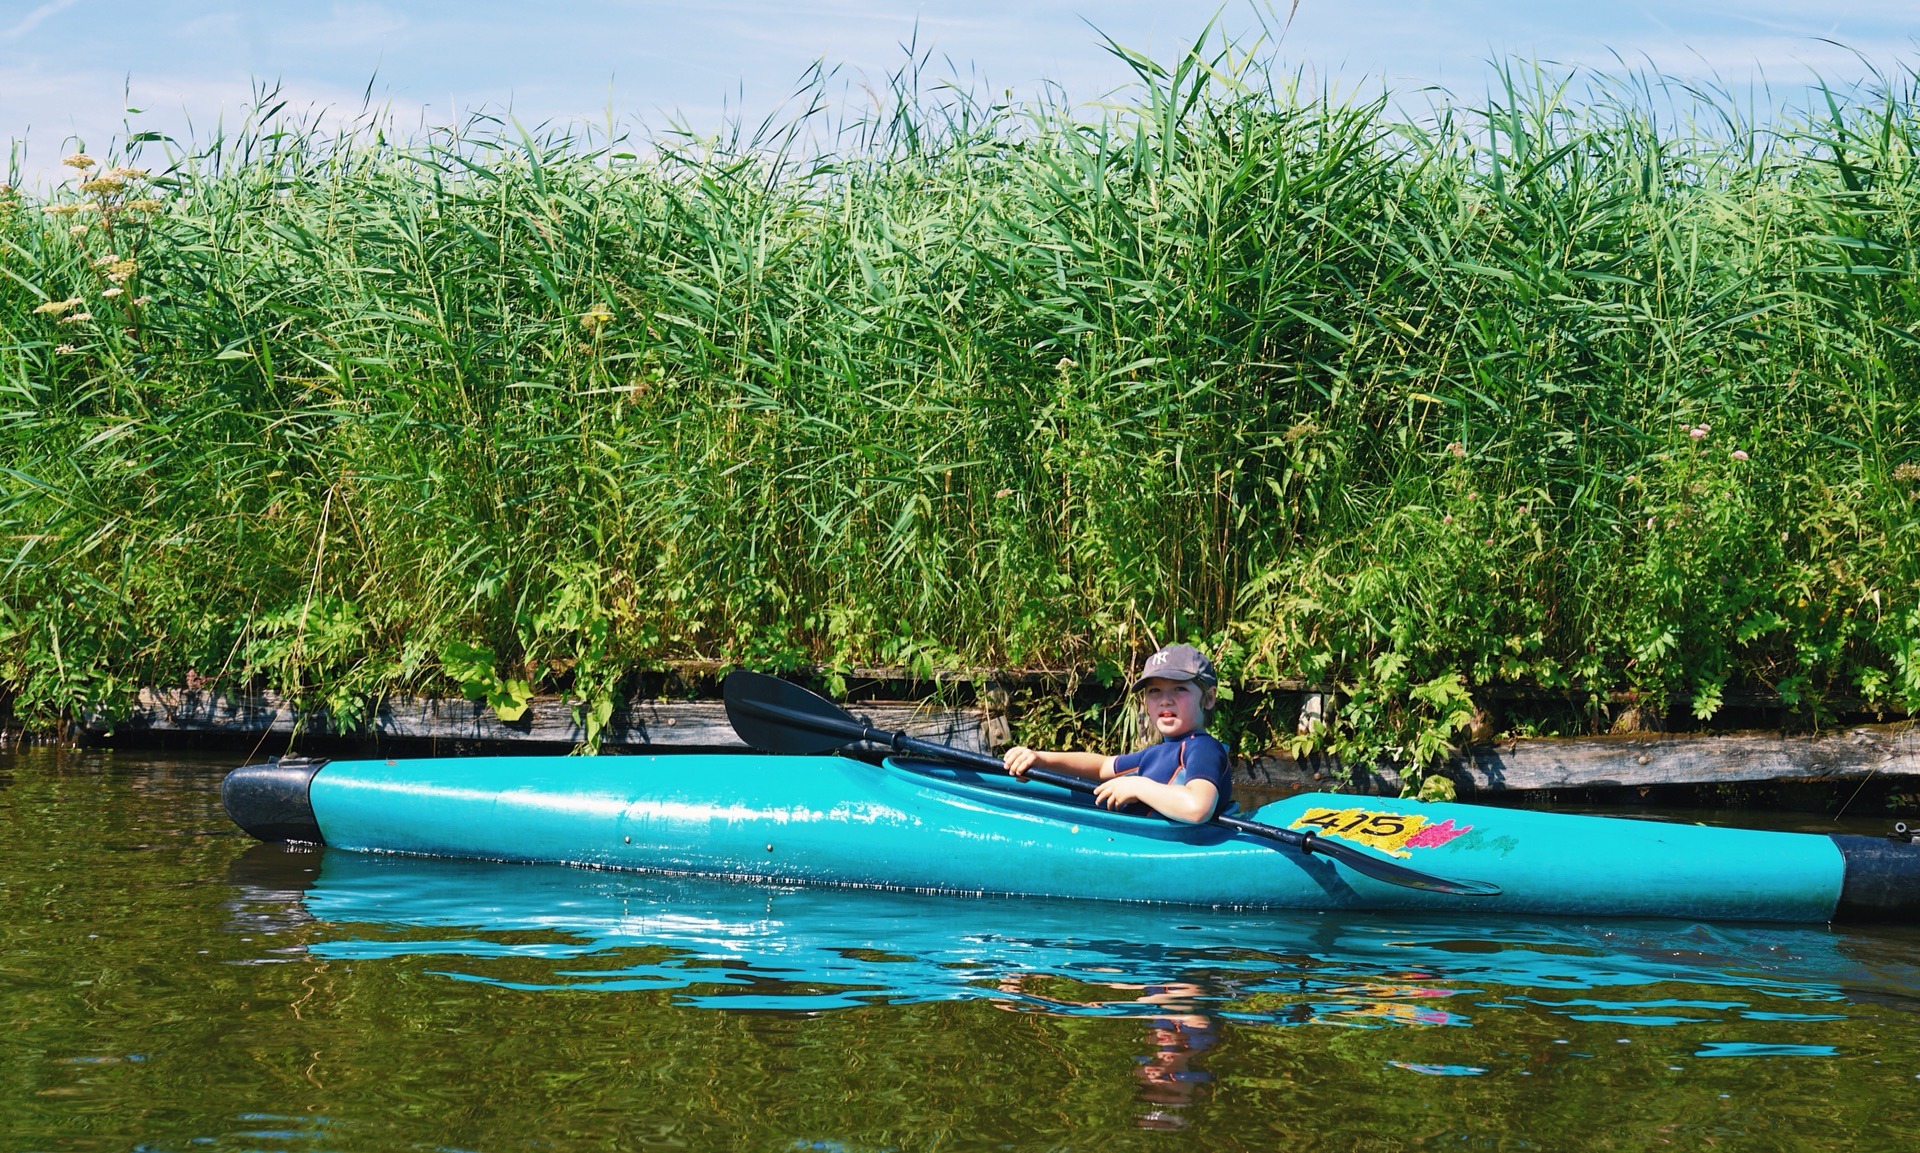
[(1019, 759), (1114, 792), (1190, 804)]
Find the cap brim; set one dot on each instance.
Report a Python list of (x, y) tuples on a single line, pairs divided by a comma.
[(1182, 676)]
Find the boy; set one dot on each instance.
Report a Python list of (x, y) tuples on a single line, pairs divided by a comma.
[(1185, 777)]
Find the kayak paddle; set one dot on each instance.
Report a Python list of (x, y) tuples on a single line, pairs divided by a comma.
[(778, 717)]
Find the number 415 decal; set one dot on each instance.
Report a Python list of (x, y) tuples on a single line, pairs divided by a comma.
[(1392, 833)]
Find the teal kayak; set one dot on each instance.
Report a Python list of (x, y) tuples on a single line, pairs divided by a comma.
[(918, 825)]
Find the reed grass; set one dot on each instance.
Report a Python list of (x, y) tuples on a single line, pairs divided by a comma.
[(1403, 404)]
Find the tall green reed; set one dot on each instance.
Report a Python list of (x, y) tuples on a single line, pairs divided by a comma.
[(1404, 407)]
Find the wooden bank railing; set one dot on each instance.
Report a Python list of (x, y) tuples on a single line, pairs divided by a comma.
[(1633, 760)]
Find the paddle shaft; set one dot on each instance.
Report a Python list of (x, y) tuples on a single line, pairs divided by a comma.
[(772, 714), (854, 730), (1305, 842), (1380, 870)]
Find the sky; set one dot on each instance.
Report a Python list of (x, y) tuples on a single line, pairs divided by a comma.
[(69, 68)]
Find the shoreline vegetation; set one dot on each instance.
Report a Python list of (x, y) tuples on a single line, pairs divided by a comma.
[(1559, 393)]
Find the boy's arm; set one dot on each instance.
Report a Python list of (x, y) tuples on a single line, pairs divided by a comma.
[(1092, 766), (1191, 803)]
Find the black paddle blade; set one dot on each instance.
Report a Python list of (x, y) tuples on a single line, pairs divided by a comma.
[(1392, 874), (776, 717)]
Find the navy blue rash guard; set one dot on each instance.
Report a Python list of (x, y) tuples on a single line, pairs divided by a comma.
[(1177, 760)]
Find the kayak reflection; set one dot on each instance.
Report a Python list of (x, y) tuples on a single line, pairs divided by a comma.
[(738, 945), (1192, 978)]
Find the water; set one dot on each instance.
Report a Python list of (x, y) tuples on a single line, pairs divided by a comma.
[(167, 984)]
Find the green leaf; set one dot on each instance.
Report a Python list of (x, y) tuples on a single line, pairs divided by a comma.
[(472, 667), (593, 717), (510, 699), (1706, 698)]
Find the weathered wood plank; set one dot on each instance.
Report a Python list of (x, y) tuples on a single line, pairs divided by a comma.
[(1315, 773), (1646, 759), (1637, 760), (1040, 675), (1578, 763), (636, 724)]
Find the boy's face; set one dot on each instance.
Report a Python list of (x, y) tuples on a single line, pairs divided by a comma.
[(1176, 708)]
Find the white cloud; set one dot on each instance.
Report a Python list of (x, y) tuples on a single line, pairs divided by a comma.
[(214, 27), (345, 26), (69, 108), (193, 60), (34, 19)]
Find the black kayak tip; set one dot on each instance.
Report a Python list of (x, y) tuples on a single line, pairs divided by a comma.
[(1882, 879), (270, 802)]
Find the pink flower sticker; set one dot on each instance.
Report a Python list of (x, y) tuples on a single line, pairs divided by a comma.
[(1433, 836)]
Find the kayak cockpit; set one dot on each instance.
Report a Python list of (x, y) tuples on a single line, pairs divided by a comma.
[(1036, 798)]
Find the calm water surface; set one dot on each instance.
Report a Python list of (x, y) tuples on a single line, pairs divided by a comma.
[(167, 984)]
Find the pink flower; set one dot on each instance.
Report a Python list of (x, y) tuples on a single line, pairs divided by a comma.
[(1447, 519), (1739, 454), (1698, 433), (1433, 836)]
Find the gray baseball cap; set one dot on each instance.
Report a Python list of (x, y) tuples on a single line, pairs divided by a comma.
[(1177, 663)]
